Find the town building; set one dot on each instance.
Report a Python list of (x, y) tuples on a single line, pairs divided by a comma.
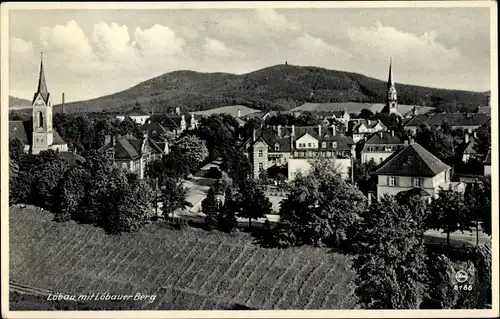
[(295, 146), (412, 167), (379, 146), (137, 115), (132, 154), (364, 128), (466, 121), (173, 124), (468, 148)]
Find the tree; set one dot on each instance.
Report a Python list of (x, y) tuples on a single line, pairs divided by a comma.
[(254, 203), (174, 197), (483, 140), (390, 264), (449, 213), (366, 114), (436, 142), (321, 209), (16, 149), (228, 218), (218, 133), (46, 180), (478, 202), (130, 207), (441, 292), (192, 148), (362, 175), (73, 193), (210, 207)]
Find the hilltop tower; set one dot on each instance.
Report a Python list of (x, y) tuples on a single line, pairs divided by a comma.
[(391, 103), (43, 136)]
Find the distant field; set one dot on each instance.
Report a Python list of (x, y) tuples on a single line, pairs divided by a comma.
[(231, 110), (187, 270), (354, 107)]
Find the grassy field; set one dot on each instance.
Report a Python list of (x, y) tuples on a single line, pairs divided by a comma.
[(186, 270)]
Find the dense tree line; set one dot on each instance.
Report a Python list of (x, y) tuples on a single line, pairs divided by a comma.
[(94, 192)]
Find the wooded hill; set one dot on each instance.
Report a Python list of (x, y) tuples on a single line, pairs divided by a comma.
[(280, 87)]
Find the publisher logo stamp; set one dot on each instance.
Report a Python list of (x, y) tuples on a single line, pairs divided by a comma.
[(461, 276)]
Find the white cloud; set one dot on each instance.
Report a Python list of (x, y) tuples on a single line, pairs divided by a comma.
[(19, 46), (275, 20), (384, 41), (218, 48), (306, 42), (111, 41), (68, 38), (158, 40)]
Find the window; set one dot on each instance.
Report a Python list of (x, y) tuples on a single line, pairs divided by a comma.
[(388, 149), (418, 182), (381, 160), (37, 140), (323, 145), (309, 145), (40, 119), (393, 181), (261, 166), (260, 153), (334, 144)]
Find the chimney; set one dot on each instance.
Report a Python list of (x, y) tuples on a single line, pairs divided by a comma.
[(62, 104), (369, 122), (392, 132), (468, 115), (293, 130), (406, 141), (319, 129), (107, 139), (334, 130), (411, 140), (415, 111), (178, 110), (466, 137), (279, 130), (380, 134), (239, 112), (253, 135)]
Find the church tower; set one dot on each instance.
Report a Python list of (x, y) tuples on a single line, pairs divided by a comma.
[(42, 116), (392, 97)]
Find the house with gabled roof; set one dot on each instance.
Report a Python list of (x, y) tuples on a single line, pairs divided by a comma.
[(366, 127), (379, 146), (412, 167), (466, 121), (132, 154), (137, 115)]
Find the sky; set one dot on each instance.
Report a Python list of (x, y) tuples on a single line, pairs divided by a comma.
[(92, 53)]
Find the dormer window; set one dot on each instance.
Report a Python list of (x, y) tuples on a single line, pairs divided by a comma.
[(323, 145), (334, 144), (276, 147)]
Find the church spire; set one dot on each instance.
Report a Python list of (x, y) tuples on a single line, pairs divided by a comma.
[(390, 82), (42, 84)]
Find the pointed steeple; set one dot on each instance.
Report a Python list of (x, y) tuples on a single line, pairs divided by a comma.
[(42, 84), (390, 82)]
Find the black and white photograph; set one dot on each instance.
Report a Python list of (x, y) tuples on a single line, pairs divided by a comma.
[(327, 158)]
